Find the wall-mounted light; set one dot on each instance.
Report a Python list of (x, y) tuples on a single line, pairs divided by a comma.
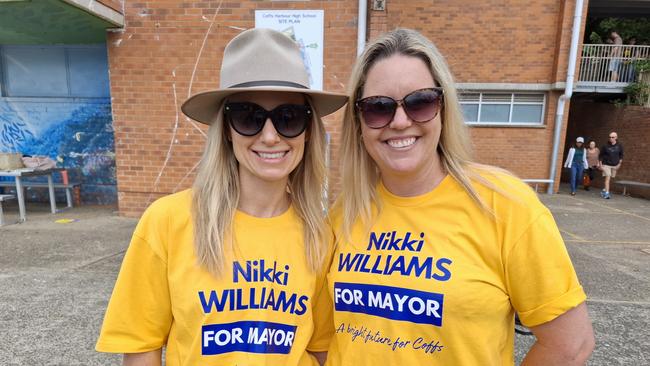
[(379, 5)]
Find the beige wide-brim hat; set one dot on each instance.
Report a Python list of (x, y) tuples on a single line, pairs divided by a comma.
[(260, 60)]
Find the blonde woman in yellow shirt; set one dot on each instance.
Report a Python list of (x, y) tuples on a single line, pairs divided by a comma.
[(436, 253), (232, 271)]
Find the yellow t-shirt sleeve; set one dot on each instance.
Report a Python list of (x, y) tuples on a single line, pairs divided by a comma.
[(138, 317), (540, 276), (322, 308)]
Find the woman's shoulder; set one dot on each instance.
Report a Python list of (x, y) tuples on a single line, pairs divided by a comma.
[(504, 186), (176, 205)]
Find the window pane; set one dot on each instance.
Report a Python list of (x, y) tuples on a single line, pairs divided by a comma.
[(529, 98), (469, 97), (88, 72), (497, 97), (527, 113), (35, 72), (495, 112), (470, 112)]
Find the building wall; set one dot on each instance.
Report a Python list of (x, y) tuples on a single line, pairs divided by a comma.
[(55, 102), (170, 50), (632, 124)]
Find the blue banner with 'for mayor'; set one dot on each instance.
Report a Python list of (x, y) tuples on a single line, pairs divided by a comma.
[(247, 336), (389, 302)]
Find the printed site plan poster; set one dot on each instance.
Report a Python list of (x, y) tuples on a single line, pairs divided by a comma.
[(306, 28)]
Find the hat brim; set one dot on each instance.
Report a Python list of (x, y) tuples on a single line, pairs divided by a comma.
[(203, 107)]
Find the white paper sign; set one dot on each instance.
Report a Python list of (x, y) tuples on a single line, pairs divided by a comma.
[(306, 28)]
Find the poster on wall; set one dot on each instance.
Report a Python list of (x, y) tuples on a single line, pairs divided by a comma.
[(306, 28)]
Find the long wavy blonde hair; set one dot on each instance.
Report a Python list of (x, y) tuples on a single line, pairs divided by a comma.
[(359, 171), (216, 193)]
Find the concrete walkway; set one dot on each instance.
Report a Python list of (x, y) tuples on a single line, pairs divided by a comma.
[(56, 278)]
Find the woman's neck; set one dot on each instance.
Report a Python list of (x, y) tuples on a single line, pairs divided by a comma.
[(261, 198)]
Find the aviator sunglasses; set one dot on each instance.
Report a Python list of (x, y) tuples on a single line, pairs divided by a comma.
[(421, 105), (248, 119)]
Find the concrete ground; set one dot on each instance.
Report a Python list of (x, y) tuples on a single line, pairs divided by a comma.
[(56, 278)]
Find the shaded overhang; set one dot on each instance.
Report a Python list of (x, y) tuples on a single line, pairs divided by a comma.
[(56, 21), (619, 8)]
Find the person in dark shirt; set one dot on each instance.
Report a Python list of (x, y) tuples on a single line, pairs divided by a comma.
[(610, 160)]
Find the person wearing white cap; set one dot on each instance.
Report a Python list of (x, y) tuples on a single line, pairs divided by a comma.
[(576, 160), (232, 271)]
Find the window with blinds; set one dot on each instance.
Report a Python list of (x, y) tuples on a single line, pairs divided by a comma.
[(503, 108)]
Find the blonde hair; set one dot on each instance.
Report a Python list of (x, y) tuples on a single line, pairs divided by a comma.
[(216, 195), (360, 173)]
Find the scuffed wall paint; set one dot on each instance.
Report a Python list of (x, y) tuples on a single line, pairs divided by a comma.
[(78, 133)]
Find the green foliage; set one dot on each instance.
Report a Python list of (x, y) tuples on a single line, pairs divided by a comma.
[(638, 93), (638, 28), (595, 38), (642, 66)]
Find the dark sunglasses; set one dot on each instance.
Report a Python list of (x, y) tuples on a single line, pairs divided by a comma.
[(248, 119), (421, 106)]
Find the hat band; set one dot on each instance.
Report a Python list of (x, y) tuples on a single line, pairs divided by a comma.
[(268, 83)]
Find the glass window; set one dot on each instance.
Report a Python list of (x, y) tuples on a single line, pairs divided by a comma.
[(526, 113), (35, 71), (55, 71), (88, 72), (470, 112), (495, 113), (503, 108)]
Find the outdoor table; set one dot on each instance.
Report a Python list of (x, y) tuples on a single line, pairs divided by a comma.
[(29, 172)]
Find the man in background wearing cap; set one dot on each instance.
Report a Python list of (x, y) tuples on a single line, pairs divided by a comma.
[(610, 160), (576, 160)]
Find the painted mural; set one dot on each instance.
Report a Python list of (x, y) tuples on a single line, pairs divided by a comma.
[(77, 133)]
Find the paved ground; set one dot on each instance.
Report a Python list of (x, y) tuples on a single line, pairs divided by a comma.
[(56, 278)]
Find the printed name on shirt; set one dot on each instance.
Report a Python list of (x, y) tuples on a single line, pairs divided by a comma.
[(258, 271), (265, 298), (429, 267), (247, 336), (389, 302)]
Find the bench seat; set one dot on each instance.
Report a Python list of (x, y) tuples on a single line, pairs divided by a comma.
[(626, 183), (68, 187)]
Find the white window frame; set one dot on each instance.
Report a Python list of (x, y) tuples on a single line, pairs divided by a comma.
[(511, 103)]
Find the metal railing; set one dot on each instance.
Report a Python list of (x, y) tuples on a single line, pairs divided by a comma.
[(610, 63)]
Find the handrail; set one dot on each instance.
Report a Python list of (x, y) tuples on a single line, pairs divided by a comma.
[(599, 60)]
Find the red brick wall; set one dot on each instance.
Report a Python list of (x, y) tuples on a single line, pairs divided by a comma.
[(151, 66), (632, 124)]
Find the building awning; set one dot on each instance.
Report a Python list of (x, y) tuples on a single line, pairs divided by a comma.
[(56, 21)]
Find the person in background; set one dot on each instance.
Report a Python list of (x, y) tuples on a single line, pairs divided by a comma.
[(434, 252), (576, 160), (231, 272), (615, 56), (610, 160), (592, 161), (630, 55)]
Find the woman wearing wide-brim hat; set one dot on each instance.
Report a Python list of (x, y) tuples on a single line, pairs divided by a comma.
[(231, 271)]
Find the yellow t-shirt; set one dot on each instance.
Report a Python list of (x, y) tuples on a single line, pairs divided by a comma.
[(436, 281), (259, 312)]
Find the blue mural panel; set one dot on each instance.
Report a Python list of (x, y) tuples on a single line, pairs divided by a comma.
[(76, 132)]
